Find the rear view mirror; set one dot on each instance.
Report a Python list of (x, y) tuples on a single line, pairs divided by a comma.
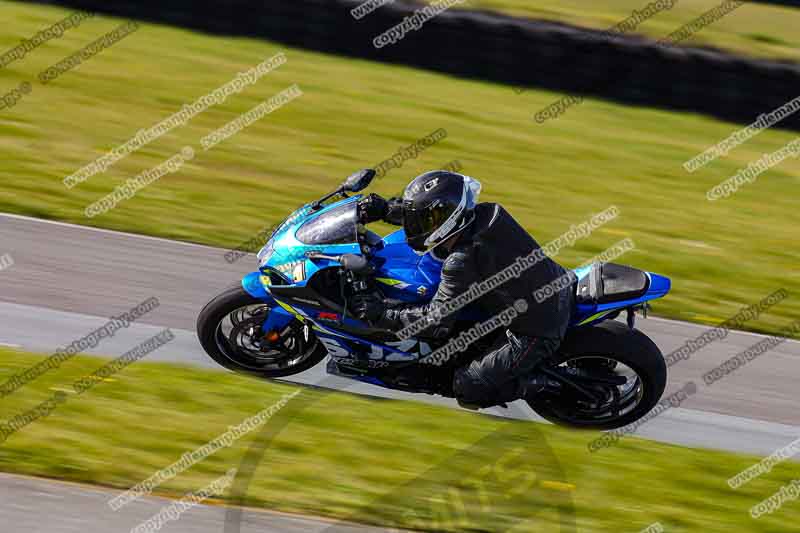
[(359, 181)]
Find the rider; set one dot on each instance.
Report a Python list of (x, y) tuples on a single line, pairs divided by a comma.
[(440, 215)]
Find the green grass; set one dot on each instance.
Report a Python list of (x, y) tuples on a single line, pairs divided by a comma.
[(740, 31), (376, 461), (353, 114)]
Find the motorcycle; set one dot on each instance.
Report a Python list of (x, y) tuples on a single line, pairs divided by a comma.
[(292, 313)]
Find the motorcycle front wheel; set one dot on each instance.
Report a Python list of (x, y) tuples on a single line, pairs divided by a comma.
[(229, 330)]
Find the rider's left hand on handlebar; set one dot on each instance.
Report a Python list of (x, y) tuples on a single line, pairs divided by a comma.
[(394, 211), (372, 208)]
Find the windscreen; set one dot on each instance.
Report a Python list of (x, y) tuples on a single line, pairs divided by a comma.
[(337, 226)]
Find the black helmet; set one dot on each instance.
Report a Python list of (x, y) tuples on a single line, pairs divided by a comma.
[(436, 206)]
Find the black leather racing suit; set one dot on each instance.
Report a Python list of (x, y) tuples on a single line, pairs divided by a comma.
[(490, 244)]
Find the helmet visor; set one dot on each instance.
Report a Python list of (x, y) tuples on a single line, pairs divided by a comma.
[(420, 223)]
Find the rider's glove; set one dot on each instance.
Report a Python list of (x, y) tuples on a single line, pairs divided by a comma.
[(394, 211), (368, 307), (372, 208)]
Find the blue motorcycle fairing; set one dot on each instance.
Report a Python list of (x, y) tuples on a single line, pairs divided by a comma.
[(402, 351), (285, 249), (403, 274)]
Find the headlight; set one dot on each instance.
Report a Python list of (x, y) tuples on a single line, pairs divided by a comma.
[(299, 271), (295, 270)]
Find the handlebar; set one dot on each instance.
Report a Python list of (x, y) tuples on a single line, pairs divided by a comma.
[(352, 262)]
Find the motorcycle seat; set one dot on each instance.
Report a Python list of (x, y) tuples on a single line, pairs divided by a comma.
[(610, 282)]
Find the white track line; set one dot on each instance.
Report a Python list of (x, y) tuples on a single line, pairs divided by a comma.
[(706, 326), (106, 231)]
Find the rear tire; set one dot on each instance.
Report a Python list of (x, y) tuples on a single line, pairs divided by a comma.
[(616, 342), (222, 350)]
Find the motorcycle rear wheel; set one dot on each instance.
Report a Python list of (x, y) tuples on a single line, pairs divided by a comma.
[(609, 349)]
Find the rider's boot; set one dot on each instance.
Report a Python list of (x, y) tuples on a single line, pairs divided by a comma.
[(531, 386)]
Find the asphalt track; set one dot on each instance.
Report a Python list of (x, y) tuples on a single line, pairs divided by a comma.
[(66, 280), (70, 508)]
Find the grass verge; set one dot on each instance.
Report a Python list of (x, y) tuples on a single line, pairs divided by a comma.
[(721, 255), (394, 463)]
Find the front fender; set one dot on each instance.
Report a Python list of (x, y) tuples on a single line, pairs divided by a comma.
[(254, 286), (278, 317)]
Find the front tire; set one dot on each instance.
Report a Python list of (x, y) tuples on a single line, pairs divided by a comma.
[(229, 330), (610, 348)]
